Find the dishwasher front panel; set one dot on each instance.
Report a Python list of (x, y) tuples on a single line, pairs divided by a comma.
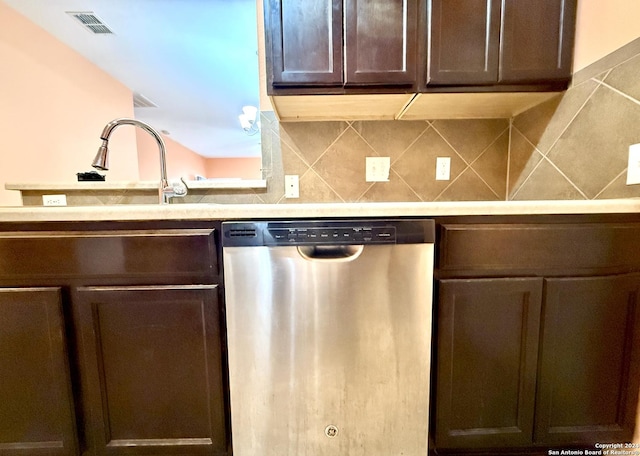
[(329, 356)]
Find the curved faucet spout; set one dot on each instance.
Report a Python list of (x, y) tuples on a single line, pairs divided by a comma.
[(101, 161)]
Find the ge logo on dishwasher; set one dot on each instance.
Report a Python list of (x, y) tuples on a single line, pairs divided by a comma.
[(331, 431)]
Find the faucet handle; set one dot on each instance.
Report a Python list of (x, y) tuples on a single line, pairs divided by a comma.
[(176, 188), (172, 190), (179, 189)]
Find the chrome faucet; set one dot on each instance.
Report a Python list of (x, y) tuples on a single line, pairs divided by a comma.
[(101, 161)]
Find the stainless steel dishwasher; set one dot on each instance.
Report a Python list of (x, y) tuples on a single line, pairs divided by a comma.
[(329, 336)]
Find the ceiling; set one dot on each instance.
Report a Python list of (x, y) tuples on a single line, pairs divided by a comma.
[(195, 59)]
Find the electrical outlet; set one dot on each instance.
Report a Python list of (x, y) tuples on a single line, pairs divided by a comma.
[(54, 200), (291, 186), (633, 168), (443, 168)]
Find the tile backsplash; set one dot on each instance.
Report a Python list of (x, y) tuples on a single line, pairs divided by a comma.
[(329, 157)]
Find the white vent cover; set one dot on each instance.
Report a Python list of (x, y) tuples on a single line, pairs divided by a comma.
[(140, 101), (90, 21)]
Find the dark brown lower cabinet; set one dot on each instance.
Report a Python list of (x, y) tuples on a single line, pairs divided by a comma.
[(486, 362), (150, 362), (537, 362), (590, 354), (36, 407), (111, 340)]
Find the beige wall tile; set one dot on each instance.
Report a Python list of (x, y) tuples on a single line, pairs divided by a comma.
[(390, 138), (491, 166), (542, 125), (468, 187), (342, 166), (396, 190), (523, 158), (625, 78), (547, 183), (292, 163), (238, 197), (273, 168), (311, 139), (417, 166), (314, 190), (593, 149), (469, 137), (618, 188)]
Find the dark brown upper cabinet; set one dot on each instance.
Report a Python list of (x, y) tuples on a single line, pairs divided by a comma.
[(465, 41), (380, 42), (500, 42), (305, 42)]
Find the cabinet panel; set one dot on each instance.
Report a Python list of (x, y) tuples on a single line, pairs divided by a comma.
[(170, 254), (483, 248), (152, 368), (381, 42), (36, 409), (486, 362), (537, 40), (476, 42), (465, 40), (588, 382), (306, 41)]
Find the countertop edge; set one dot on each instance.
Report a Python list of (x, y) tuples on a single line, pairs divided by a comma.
[(215, 184), (312, 210)]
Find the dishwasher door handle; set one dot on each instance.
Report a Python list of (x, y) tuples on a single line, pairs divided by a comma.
[(330, 252)]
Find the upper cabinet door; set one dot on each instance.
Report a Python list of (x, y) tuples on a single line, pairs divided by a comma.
[(537, 40), (381, 42), (465, 38), (306, 41)]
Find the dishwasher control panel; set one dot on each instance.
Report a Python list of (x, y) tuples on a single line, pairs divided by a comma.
[(329, 235), (327, 232)]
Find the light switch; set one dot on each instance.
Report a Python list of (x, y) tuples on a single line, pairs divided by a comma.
[(377, 169), (633, 168)]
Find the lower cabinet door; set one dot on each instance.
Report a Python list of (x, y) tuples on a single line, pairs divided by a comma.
[(151, 363), (486, 362), (36, 409), (590, 360)]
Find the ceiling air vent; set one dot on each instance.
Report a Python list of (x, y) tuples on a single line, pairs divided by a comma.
[(140, 101), (90, 21)]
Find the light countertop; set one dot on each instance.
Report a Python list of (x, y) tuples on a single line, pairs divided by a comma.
[(132, 212)]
